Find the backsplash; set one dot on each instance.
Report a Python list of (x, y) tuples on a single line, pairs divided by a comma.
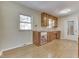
[(45, 29)]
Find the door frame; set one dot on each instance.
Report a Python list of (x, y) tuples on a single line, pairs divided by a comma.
[(75, 36)]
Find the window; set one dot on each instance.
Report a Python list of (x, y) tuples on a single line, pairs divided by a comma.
[(25, 22)]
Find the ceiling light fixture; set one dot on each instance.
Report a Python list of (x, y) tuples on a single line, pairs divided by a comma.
[(65, 11)]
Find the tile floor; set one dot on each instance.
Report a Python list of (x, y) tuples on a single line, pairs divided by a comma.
[(54, 49)]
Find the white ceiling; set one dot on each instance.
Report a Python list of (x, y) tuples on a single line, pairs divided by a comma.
[(52, 7)]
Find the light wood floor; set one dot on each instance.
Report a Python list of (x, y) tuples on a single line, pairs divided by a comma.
[(54, 49)]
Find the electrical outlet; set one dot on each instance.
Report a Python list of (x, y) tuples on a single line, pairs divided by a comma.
[(24, 45)]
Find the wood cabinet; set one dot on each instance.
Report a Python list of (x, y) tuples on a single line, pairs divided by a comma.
[(53, 35), (58, 35), (36, 38), (45, 20), (50, 36)]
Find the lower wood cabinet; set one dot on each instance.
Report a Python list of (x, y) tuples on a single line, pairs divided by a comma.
[(53, 35), (40, 38), (36, 38)]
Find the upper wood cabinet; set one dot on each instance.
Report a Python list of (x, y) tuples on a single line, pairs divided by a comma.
[(46, 18)]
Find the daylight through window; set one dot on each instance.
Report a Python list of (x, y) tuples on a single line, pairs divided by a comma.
[(25, 22)]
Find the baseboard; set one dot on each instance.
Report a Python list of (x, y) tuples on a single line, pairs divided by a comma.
[(70, 40), (21, 45)]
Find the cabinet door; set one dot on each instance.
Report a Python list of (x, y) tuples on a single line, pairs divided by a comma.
[(53, 35), (50, 36), (56, 22), (44, 21), (36, 38), (58, 35)]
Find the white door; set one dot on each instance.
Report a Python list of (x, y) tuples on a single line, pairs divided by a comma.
[(71, 29)]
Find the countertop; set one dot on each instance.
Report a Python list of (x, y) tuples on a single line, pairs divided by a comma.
[(46, 29)]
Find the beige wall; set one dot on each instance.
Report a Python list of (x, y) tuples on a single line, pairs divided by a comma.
[(0, 29), (12, 36)]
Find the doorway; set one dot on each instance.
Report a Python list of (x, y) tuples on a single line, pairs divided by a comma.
[(71, 28)]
